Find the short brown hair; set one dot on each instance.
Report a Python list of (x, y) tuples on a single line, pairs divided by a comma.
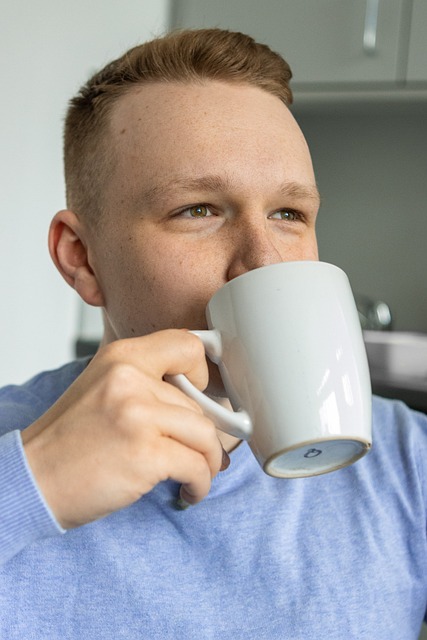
[(180, 56)]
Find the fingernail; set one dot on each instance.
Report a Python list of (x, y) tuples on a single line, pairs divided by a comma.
[(225, 460), (181, 504)]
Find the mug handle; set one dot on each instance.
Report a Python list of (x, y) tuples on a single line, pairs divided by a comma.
[(235, 423)]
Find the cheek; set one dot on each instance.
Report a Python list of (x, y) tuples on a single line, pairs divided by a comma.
[(167, 291), (183, 284), (307, 249), (313, 248), (311, 252)]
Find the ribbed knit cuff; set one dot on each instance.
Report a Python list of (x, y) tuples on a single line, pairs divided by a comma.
[(24, 514)]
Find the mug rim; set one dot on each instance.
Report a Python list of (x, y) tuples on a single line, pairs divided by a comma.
[(279, 265)]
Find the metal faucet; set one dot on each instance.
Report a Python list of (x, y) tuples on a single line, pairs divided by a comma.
[(374, 315)]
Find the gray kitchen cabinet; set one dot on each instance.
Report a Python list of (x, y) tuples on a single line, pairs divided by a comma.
[(417, 59), (328, 43)]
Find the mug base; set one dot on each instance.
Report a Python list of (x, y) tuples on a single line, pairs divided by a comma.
[(315, 458)]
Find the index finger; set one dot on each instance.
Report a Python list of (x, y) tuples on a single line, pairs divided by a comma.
[(166, 352)]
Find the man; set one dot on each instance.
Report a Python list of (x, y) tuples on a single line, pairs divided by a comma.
[(185, 169)]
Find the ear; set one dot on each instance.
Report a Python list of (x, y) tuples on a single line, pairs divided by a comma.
[(69, 251)]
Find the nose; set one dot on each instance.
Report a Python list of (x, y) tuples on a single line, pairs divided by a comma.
[(253, 247)]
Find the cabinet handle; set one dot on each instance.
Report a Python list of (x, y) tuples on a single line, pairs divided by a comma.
[(371, 24)]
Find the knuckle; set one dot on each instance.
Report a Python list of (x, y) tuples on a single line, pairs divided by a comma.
[(114, 351), (194, 406), (128, 414), (200, 467), (196, 346), (120, 378), (212, 448), (210, 431), (120, 397), (193, 347), (211, 427)]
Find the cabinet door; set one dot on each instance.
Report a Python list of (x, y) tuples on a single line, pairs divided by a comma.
[(321, 39), (417, 61)]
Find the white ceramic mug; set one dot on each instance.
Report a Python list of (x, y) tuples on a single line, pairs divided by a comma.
[(289, 347)]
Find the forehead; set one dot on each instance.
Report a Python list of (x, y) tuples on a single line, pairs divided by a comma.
[(212, 107), (168, 129)]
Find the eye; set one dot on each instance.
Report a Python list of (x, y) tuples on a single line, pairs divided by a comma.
[(196, 211), (286, 214)]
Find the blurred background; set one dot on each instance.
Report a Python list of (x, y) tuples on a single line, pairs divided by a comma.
[(360, 85), (48, 49)]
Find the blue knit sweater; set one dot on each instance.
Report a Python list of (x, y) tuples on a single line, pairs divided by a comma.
[(336, 556)]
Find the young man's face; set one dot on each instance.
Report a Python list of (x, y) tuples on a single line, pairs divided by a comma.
[(212, 180)]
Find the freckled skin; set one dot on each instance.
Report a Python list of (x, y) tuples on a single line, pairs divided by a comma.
[(160, 270)]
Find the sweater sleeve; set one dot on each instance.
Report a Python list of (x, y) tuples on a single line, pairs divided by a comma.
[(25, 516)]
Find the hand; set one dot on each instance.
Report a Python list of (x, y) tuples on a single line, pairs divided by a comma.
[(120, 429)]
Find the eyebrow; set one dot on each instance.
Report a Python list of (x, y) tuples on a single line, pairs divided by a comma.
[(299, 190), (212, 182)]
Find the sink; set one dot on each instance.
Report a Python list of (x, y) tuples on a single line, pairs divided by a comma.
[(398, 365)]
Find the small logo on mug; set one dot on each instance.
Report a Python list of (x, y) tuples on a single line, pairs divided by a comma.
[(312, 453)]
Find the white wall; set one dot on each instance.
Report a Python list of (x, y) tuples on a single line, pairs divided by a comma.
[(48, 48)]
